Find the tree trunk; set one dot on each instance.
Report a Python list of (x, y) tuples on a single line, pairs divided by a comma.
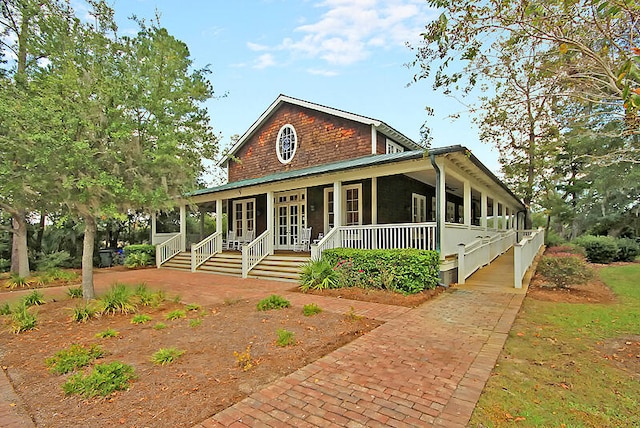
[(38, 245), (90, 228), (20, 250)]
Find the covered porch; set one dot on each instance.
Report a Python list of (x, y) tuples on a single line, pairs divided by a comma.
[(433, 201)]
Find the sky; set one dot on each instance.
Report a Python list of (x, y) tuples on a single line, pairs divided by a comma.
[(346, 54)]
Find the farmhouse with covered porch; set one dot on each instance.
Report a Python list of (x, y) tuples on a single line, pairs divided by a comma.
[(305, 178)]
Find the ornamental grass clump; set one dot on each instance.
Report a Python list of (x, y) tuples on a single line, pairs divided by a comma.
[(166, 356), (73, 358), (102, 380), (118, 300), (22, 319)]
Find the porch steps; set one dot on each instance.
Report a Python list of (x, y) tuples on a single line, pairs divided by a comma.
[(181, 261), (225, 263), (280, 267)]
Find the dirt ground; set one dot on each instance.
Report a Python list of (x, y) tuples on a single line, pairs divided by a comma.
[(380, 296), (203, 381)]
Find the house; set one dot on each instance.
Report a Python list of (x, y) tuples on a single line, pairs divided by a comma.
[(344, 180)]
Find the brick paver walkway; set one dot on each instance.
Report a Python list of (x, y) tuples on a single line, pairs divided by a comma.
[(424, 367)]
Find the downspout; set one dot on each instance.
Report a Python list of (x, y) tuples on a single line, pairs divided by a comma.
[(438, 201)]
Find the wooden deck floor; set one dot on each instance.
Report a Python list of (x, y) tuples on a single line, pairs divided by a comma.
[(497, 275)]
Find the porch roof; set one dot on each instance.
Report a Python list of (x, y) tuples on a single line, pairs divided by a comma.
[(365, 161)]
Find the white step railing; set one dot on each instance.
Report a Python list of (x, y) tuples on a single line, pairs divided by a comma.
[(255, 251), (482, 251), (421, 236), (168, 249), (524, 253), (204, 249)]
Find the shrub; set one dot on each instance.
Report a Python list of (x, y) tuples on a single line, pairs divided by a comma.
[(74, 292), (566, 249), (318, 275), (5, 309), (628, 250), (35, 298), (140, 319), (73, 358), (564, 271), (5, 264), (600, 249), (311, 309), (84, 312), (139, 255), (57, 274), (273, 302), (49, 261), (22, 319), (404, 270), (166, 356), (103, 380), (174, 315), (107, 333), (285, 337), (118, 300), (553, 239)]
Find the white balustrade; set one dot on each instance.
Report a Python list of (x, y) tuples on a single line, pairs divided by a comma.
[(255, 251), (204, 249), (169, 248), (524, 253)]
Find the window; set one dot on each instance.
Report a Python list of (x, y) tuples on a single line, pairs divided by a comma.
[(394, 147), (286, 144), (419, 208), (351, 206)]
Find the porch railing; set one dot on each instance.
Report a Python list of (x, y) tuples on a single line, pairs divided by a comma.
[(204, 249), (255, 251), (482, 251), (168, 249), (421, 236), (524, 253)]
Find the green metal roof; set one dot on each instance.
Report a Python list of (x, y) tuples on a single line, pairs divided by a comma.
[(366, 161)]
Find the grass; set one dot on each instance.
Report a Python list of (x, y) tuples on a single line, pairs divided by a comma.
[(552, 371), (166, 356), (84, 312), (21, 319), (311, 309), (73, 358), (174, 315), (273, 302), (5, 309), (119, 299), (74, 292), (102, 380), (107, 333), (35, 298), (159, 326), (285, 338), (196, 322), (140, 319)]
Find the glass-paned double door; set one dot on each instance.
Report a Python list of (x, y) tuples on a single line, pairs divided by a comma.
[(290, 216)]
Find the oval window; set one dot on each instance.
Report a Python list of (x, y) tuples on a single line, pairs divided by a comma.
[(286, 144)]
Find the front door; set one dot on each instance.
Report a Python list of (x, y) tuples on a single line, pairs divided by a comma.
[(290, 218), (244, 217)]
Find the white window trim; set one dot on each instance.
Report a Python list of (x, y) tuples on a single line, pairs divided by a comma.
[(244, 202), (295, 144), (326, 208), (344, 202), (393, 147), (423, 199)]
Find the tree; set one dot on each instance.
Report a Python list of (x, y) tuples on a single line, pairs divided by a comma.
[(132, 132)]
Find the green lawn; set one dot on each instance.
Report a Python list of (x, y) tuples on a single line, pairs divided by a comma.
[(552, 372)]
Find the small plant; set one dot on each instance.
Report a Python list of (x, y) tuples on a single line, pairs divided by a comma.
[(195, 322), (192, 307), (5, 309), (74, 292), (318, 275), (177, 299), (230, 301), (23, 320), (73, 358), (84, 312), (16, 281), (103, 380), (311, 309), (243, 359), (351, 315), (160, 326), (564, 271), (166, 356), (137, 260), (35, 298), (174, 315), (273, 302), (285, 338), (107, 333), (118, 300), (140, 319)]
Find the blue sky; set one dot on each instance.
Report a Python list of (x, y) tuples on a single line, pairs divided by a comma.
[(347, 54)]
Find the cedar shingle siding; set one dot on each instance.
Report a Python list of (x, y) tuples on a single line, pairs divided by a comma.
[(322, 138)]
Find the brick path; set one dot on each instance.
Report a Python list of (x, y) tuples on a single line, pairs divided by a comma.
[(424, 367)]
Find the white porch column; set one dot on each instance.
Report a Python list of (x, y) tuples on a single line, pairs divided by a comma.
[(467, 202), (183, 227), (154, 228), (504, 216), (270, 215), (441, 204), (337, 204), (218, 215), (374, 200), (483, 210)]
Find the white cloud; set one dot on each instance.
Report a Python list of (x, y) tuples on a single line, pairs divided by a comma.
[(349, 31), (264, 61), (318, 72)]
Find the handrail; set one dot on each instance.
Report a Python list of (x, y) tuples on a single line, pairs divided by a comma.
[(168, 249), (255, 251), (524, 254), (326, 243), (480, 252), (204, 249)]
